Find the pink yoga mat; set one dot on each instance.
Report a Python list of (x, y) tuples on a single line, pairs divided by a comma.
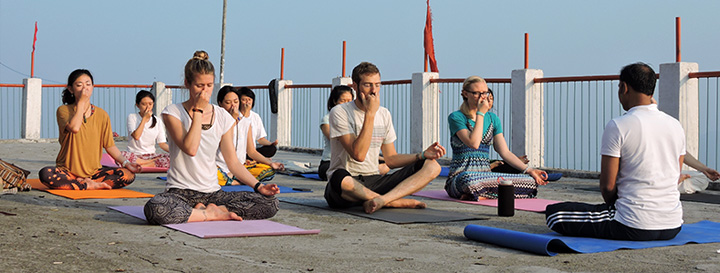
[(224, 229), (107, 161), (531, 204)]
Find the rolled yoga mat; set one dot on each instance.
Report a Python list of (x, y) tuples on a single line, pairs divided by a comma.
[(551, 244)]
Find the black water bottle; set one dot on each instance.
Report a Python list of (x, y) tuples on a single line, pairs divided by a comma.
[(506, 198)]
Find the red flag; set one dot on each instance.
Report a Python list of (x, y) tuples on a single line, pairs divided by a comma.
[(429, 48), (35, 37)]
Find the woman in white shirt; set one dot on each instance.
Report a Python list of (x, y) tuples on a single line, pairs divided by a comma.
[(247, 102), (229, 99), (196, 130), (145, 130)]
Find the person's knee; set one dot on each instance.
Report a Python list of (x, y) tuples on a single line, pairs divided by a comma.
[(433, 167), (45, 174)]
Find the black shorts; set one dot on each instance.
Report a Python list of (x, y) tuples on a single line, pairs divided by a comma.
[(380, 184)]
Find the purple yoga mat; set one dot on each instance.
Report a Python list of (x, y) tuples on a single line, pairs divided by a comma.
[(530, 204), (224, 229)]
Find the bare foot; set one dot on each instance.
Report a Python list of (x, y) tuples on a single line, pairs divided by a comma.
[(683, 177), (200, 206), (406, 203), (92, 185), (373, 205), (215, 213)]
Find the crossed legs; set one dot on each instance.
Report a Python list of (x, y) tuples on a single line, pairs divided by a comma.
[(376, 192)]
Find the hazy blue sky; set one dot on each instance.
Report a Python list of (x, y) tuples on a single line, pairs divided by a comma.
[(135, 41)]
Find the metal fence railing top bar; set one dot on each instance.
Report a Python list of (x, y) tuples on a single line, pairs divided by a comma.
[(460, 80), (709, 74)]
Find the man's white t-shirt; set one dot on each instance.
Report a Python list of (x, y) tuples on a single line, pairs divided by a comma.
[(649, 144), (197, 172), (347, 119), (149, 137), (239, 141)]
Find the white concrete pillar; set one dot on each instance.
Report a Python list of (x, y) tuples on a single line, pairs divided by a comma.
[(528, 125), (32, 108), (678, 97), (281, 123), (163, 97), (341, 81), (425, 113)]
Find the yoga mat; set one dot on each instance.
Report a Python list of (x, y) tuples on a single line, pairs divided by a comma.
[(313, 176), (283, 189), (107, 161), (391, 215), (225, 229), (529, 204), (694, 197), (551, 244), (89, 194)]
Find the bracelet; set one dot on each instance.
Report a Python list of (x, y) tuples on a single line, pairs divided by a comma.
[(480, 114), (257, 186), (422, 155), (526, 168), (197, 110), (125, 163)]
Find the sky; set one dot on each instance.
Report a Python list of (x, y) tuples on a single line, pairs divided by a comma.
[(140, 41)]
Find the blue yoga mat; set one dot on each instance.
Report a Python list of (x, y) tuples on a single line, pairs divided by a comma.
[(283, 189), (552, 243)]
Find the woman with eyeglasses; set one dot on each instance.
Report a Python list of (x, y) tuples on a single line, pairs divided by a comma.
[(473, 130)]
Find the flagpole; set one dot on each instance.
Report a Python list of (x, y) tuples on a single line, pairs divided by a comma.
[(32, 56)]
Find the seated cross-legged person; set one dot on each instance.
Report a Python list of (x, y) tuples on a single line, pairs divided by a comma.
[(196, 130), (145, 130), (85, 130), (642, 155), (264, 169), (359, 130)]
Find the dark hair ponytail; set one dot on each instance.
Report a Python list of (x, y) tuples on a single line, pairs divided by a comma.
[(67, 96)]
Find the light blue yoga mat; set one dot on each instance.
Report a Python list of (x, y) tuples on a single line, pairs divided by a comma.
[(283, 189), (553, 243)]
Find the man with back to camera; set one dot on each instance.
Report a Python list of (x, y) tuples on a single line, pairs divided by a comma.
[(359, 130), (642, 155)]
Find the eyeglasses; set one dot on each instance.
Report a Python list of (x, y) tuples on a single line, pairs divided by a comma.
[(477, 93)]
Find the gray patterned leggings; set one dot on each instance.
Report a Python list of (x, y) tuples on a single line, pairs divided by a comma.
[(174, 206)]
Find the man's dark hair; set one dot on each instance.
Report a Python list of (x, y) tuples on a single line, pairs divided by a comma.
[(639, 76), (362, 69)]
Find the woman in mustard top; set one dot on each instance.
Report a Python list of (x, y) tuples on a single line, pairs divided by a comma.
[(84, 131)]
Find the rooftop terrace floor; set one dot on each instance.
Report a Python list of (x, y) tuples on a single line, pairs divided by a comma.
[(55, 234)]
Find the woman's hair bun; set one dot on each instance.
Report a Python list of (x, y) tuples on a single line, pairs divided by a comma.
[(200, 55)]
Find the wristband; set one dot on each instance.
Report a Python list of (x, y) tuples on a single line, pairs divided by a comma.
[(422, 155), (257, 186), (526, 168), (125, 163), (480, 114)]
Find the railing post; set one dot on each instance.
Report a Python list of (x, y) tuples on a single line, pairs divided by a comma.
[(281, 123), (163, 97), (342, 81), (32, 108), (424, 126), (678, 97), (528, 124)]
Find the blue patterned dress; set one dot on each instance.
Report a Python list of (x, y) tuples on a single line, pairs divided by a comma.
[(470, 168)]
